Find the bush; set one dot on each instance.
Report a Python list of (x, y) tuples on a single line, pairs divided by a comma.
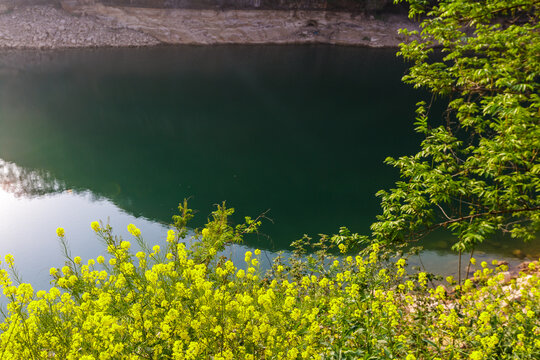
[(185, 302), (477, 171)]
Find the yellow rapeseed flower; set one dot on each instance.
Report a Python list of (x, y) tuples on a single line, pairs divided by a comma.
[(422, 279), (60, 232), (189, 309), (9, 260), (133, 230), (401, 262), (95, 226)]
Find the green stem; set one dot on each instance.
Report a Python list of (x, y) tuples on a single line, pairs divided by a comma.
[(459, 268)]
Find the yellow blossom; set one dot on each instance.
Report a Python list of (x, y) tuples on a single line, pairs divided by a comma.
[(60, 232), (95, 226), (133, 230)]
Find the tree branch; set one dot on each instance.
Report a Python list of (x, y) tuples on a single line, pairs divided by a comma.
[(473, 216)]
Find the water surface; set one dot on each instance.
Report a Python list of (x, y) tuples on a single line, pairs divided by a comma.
[(126, 134)]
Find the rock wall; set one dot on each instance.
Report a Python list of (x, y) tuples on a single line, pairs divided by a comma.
[(91, 23), (215, 26), (348, 5), (49, 27), (9, 5), (6, 5)]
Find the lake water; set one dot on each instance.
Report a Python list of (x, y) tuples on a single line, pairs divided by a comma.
[(123, 135)]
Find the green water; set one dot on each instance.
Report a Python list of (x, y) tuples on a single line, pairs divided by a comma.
[(126, 134)]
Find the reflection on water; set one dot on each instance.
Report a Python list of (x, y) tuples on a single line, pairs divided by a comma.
[(30, 183), (27, 229), (126, 134), (31, 213)]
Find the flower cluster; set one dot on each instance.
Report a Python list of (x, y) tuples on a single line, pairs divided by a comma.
[(158, 304)]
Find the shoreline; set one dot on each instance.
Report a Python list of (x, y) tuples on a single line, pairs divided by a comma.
[(97, 26), (49, 27)]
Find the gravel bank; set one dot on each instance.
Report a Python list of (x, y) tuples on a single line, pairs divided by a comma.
[(47, 27)]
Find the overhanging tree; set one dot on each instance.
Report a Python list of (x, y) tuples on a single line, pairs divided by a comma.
[(477, 172)]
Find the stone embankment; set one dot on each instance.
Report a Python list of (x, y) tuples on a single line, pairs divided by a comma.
[(47, 27), (96, 25)]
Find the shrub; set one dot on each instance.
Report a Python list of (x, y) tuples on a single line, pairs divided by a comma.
[(476, 173), (186, 302)]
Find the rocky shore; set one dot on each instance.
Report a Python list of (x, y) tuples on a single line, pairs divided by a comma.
[(96, 25), (48, 27)]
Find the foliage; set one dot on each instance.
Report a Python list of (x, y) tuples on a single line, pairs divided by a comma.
[(477, 172), (177, 304)]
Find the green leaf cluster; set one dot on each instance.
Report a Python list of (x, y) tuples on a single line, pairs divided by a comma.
[(477, 171)]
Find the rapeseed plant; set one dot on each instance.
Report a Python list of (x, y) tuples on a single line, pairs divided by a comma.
[(183, 302)]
